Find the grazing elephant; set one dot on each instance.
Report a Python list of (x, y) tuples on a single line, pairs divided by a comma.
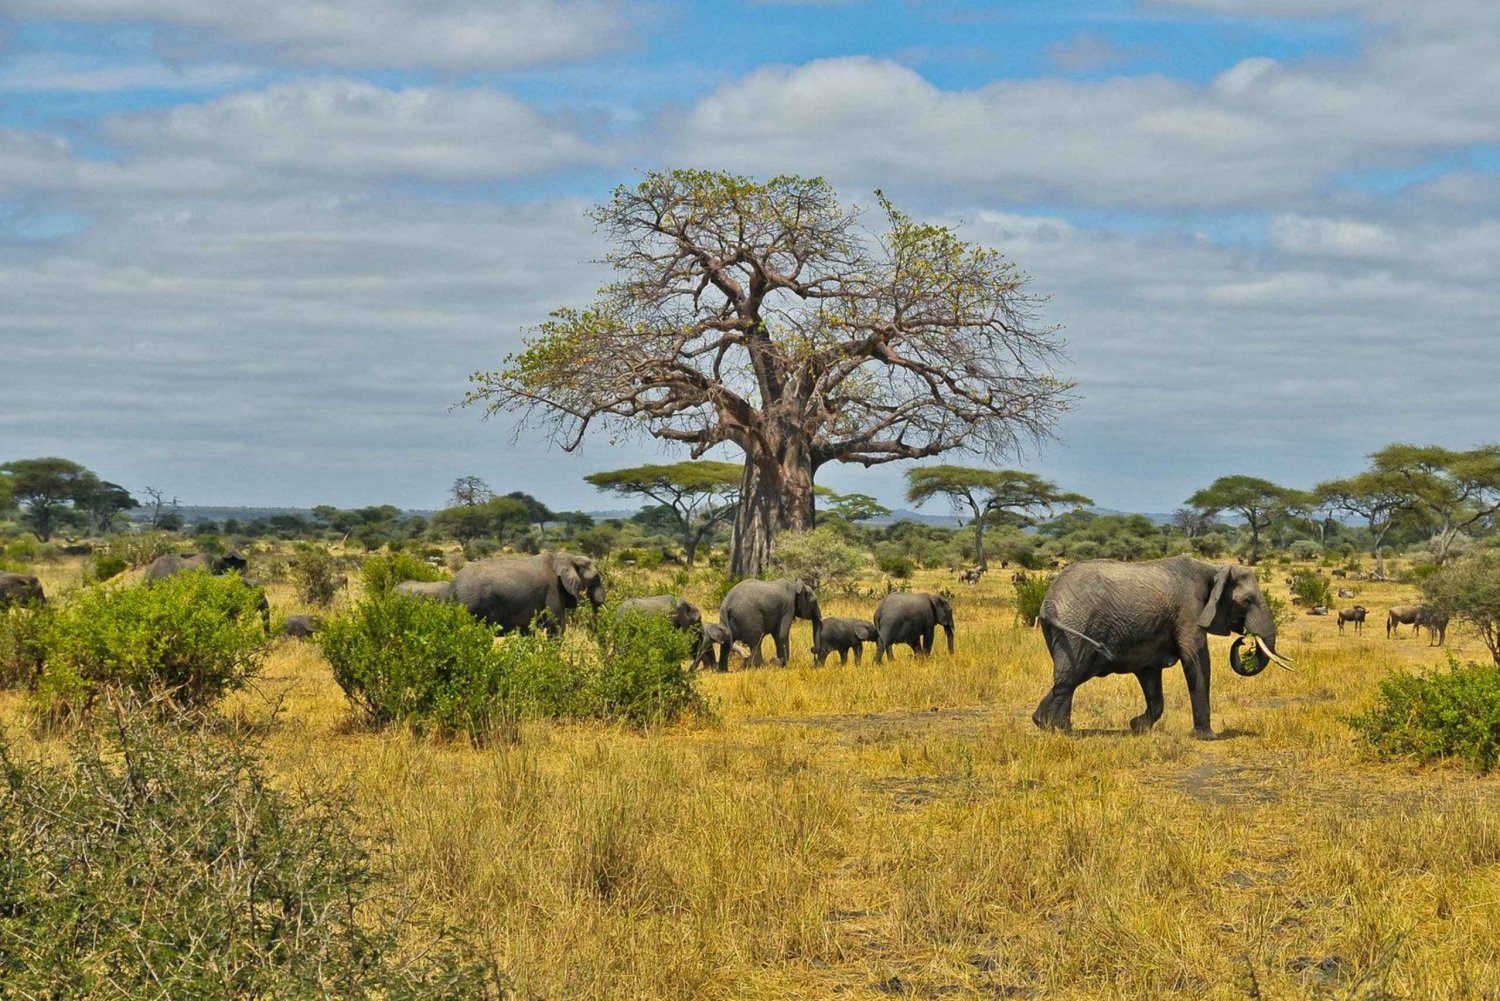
[(301, 626), (436, 590), (842, 635), (167, 566), (754, 608), (911, 619), (511, 593), (1355, 615), (1403, 615), (1107, 617), (20, 589), (684, 614)]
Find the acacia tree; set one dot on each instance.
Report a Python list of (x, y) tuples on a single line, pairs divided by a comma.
[(103, 502), (467, 491), (1259, 502), (48, 490), (700, 496), (1379, 498), (989, 494), (1449, 490), (766, 316)]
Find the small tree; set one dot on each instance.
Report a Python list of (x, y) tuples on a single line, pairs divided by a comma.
[(486, 519), (104, 502), (1450, 490), (1381, 498), (1258, 501), (854, 507), (1469, 589), (47, 490), (467, 491), (700, 496), (163, 512), (767, 315), (989, 494), (821, 556)]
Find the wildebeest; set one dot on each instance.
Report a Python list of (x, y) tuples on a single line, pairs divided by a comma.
[(1355, 615), (971, 577), (1402, 615)]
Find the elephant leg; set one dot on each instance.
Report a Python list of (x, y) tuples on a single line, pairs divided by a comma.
[(844, 657), (927, 638), (1195, 669), (783, 641), (1055, 711), (1151, 688), (757, 658), (859, 650), (881, 649)]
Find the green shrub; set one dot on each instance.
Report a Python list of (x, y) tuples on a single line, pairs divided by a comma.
[(141, 548), (23, 644), (1281, 610), (1311, 588), (1452, 713), (821, 556), (155, 862), (1305, 549), (383, 572), (106, 565), (431, 666), (644, 674), (192, 637), (316, 575), (1031, 591), (893, 562)]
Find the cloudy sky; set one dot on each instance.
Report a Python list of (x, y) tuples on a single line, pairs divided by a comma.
[(250, 252)]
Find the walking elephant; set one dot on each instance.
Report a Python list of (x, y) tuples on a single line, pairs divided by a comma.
[(512, 593), (755, 608), (1108, 617), (167, 566), (683, 614), (20, 589), (301, 626), (841, 636), (912, 619), (714, 639)]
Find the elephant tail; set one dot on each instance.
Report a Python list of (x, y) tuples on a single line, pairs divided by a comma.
[(1104, 650)]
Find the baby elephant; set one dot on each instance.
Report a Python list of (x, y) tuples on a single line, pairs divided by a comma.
[(1355, 615), (715, 638), (911, 619), (842, 635), (684, 614)]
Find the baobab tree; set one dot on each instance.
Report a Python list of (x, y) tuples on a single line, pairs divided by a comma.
[(767, 316)]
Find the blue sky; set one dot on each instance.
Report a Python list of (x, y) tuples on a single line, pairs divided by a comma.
[(250, 253)]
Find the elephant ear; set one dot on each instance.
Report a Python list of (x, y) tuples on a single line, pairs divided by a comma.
[(1213, 610), (567, 574), (941, 609)]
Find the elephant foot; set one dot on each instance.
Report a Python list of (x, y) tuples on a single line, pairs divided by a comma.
[(1142, 724), (1204, 733), (1050, 722)]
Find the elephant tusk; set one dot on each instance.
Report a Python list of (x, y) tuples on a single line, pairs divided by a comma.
[(1273, 656)]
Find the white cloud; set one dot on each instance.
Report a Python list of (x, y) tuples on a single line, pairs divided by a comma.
[(40, 71), (29, 161), (442, 34), (1299, 234), (339, 131)]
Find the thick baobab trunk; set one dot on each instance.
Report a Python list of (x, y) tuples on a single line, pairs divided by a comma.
[(776, 495)]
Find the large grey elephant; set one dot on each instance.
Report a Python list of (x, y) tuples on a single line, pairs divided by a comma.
[(683, 614), (841, 636), (20, 589), (755, 608), (167, 566), (511, 593), (911, 619), (1107, 617)]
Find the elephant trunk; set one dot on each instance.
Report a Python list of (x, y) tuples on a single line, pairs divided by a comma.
[(948, 628), (1261, 661), (1261, 629), (817, 624)]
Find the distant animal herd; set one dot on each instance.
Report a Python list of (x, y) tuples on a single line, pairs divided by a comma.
[(1099, 617)]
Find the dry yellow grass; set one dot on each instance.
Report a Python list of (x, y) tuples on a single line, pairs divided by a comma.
[(904, 830)]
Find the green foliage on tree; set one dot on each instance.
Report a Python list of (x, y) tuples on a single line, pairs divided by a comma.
[(1450, 491), (821, 556), (991, 495), (697, 497), (767, 315), (487, 519), (1468, 589), (1381, 497), (853, 507), (57, 494), (1256, 500)]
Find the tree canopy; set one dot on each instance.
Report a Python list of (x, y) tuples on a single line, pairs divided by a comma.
[(57, 493), (699, 496), (1452, 491), (989, 494), (1256, 500), (764, 314)]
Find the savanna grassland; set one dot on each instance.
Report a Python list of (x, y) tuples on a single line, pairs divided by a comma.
[(904, 830)]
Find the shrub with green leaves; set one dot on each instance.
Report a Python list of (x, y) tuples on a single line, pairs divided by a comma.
[(381, 573), (23, 643), (1281, 610), (821, 556), (192, 637), (315, 575), (1441, 714), (159, 862), (1311, 588), (431, 666), (1031, 591), (139, 549), (107, 565)]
